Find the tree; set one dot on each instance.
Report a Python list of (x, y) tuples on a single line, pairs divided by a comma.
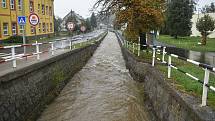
[(57, 25), (88, 25), (93, 20), (205, 25), (209, 9), (179, 15), (137, 16)]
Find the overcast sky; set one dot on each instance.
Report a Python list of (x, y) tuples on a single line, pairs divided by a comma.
[(82, 7)]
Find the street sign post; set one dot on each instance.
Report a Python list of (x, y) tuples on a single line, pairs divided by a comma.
[(34, 19), (83, 28), (71, 26), (21, 20)]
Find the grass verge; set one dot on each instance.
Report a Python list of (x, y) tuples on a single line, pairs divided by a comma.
[(190, 43), (179, 80)]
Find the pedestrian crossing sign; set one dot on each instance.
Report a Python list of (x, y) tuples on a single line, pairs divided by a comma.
[(21, 20)]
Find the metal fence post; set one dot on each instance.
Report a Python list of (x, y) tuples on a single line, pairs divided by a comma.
[(138, 54), (37, 51), (133, 47), (164, 53), (153, 57), (70, 45), (205, 88), (13, 56), (62, 44), (169, 66), (52, 49)]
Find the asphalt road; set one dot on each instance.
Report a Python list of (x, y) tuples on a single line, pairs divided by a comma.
[(7, 66), (46, 47)]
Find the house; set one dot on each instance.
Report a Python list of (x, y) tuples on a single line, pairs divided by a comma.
[(194, 30), (11, 9), (78, 18)]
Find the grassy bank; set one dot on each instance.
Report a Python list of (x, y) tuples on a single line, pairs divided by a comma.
[(179, 80), (190, 43)]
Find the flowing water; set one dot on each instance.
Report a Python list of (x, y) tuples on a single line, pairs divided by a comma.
[(102, 91)]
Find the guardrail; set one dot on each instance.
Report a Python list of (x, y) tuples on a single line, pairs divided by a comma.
[(64, 43), (161, 50)]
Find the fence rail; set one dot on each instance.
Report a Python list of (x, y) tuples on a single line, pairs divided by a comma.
[(64, 44), (161, 50)]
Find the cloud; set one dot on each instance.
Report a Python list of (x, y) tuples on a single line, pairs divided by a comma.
[(82, 7)]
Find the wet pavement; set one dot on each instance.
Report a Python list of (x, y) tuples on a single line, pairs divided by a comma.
[(6, 67), (102, 91)]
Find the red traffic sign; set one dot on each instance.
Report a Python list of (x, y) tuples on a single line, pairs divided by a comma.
[(70, 26), (34, 19), (83, 28)]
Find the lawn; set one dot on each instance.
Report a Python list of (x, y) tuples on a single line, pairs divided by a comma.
[(179, 80), (190, 43)]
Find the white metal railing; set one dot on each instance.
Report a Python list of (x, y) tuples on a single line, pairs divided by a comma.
[(162, 51), (65, 43)]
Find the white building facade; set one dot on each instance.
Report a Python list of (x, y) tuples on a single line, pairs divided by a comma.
[(194, 30)]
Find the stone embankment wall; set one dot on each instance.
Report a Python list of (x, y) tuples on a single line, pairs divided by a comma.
[(26, 91), (166, 102)]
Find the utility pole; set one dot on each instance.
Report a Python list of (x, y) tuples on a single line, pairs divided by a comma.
[(23, 33)]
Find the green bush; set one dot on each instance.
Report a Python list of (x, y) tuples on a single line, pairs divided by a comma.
[(14, 39)]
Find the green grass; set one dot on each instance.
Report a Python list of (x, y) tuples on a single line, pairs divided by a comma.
[(190, 43), (86, 43), (185, 83), (179, 80), (83, 44)]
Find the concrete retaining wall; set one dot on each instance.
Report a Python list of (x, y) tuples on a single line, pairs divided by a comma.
[(167, 103), (25, 92)]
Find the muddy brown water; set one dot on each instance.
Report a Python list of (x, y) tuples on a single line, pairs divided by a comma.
[(102, 91)]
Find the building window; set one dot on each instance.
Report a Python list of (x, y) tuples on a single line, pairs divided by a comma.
[(21, 29), (5, 29), (31, 7), (50, 11), (14, 28), (47, 27), (32, 29), (20, 4), (38, 9), (43, 9), (51, 27), (39, 28), (47, 11), (4, 4), (44, 27), (12, 4)]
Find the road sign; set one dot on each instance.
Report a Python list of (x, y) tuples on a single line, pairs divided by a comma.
[(21, 20), (70, 26), (34, 19), (83, 28)]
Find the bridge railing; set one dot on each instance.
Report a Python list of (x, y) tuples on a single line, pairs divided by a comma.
[(161, 50), (53, 46)]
